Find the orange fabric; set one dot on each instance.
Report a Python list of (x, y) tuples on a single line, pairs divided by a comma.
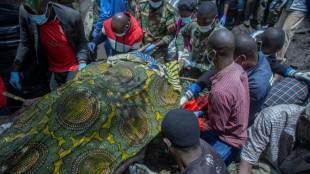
[(200, 103), (61, 56), (201, 121)]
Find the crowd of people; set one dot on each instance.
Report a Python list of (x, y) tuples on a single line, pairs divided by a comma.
[(232, 106)]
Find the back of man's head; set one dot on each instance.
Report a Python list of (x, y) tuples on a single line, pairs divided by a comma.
[(246, 45), (272, 40), (223, 42), (181, 128), (207, 8)]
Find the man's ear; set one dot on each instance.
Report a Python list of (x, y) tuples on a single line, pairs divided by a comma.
[(167, 142)]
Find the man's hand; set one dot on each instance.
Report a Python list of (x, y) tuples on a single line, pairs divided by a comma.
[(95, 33), (244, 167), (150, 49), (188, 63), (82, 65), (303, 76), (91, 46), (299, 75), (187, 97), (14, 80), (223, 20), (140, 169)]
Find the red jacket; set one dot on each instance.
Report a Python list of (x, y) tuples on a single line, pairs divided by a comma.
[(2, 97), (130, 41)]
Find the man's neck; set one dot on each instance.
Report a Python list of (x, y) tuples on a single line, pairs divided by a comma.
[(225, 62), (185, 159), (252, 63)]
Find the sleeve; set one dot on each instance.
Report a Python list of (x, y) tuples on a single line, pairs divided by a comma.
[(105, 13), (170, 27), (205, 80), (226, 1), (258, 139), (81, 49), (185, 31), (99, 38), (25, 40), (276, 67), (219, 111), (257, 93)]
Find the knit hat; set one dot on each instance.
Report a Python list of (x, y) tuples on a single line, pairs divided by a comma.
[(181, 127)]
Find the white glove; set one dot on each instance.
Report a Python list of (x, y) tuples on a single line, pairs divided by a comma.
[(303, 76), (187, 97), (180, 54), (188, 63), (137, 168)]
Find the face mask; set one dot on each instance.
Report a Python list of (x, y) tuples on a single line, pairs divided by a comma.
[(120, 35), (39, 19), (155, 4), (207, 28), (186, 20), (213, 56)]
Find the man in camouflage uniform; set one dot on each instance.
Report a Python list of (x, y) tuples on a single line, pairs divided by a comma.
[(158, 21), (200, 31)]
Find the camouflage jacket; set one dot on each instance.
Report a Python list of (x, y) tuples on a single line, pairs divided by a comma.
[(157, 24), (198, 42)]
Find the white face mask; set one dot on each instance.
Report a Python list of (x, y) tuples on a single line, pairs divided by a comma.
[(207, 28), (120, 35), (155, 4)]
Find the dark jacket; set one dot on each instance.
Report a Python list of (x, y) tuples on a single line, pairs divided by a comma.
[(72, 26)]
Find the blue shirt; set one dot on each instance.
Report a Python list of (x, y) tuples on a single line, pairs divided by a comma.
[(259, 78), (108, 8)]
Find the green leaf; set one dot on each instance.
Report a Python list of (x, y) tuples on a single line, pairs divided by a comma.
[(33, 5)]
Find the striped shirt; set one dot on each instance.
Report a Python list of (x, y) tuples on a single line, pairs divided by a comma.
[(228, 105), (272, 136)]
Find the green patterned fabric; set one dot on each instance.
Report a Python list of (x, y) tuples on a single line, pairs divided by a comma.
[(92, 124)]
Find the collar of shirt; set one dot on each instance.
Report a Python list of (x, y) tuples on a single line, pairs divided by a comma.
[(223, 72)]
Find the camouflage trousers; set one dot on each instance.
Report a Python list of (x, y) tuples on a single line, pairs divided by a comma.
[(89, 12)]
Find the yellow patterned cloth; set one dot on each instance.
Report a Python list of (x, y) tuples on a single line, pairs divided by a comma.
[(92, 124)]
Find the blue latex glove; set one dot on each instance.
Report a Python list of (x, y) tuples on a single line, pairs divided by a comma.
[(14, 80), (198, 113), (149, 49), (195, 88), (223, 20), (304, 76), (81, 66), (188, 63), (91, 46), (272, 5), (95, 33)]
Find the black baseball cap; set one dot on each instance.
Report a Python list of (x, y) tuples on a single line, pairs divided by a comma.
[(181, 127)]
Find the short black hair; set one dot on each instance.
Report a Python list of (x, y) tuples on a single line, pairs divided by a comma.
[(187, 5), (207, 8), (273, 37), (245, 44)]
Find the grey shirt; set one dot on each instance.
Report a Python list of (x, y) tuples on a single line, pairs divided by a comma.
[(209, 162)]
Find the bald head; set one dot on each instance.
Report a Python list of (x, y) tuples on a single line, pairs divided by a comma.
[(246, 45), (120, 23), (223, 42)]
